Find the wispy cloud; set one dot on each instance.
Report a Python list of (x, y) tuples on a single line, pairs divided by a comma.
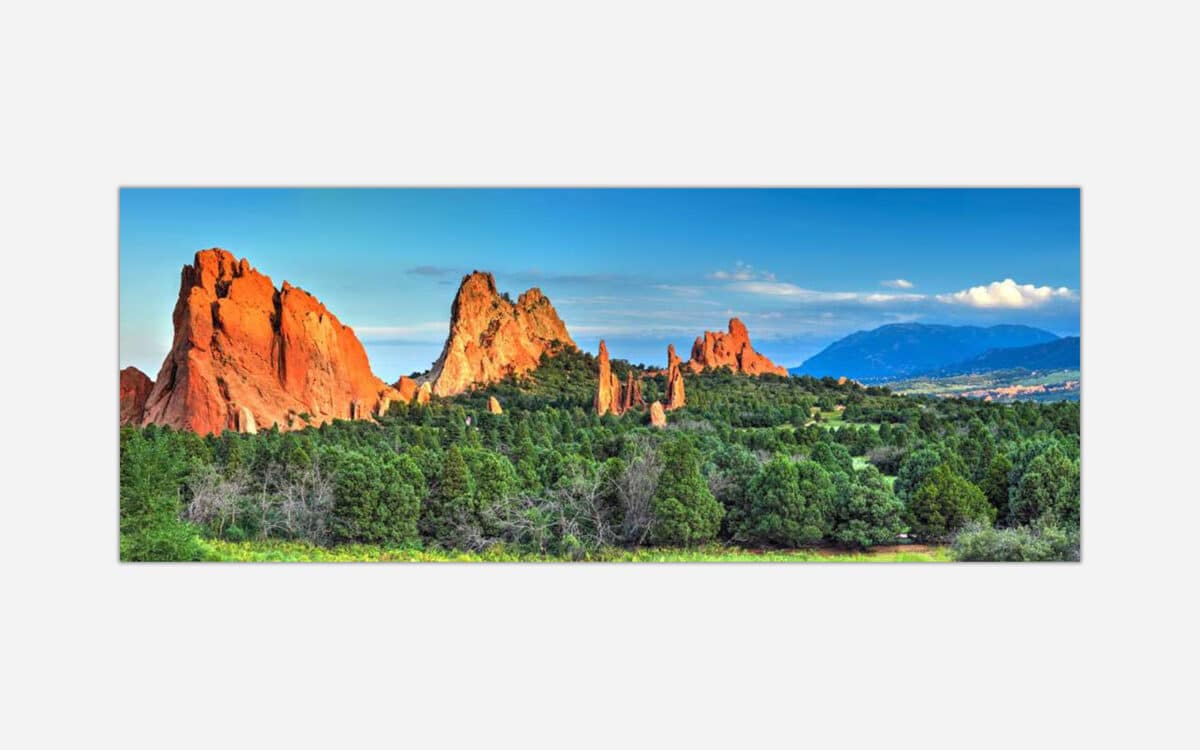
[(897, 284), (1007, 294), (680, 290), (646, 329), (435, 271), (537, 276), (375, 333), (741, 272), (800, 294)]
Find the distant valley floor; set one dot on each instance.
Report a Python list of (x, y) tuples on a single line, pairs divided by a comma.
[(1001, 385)]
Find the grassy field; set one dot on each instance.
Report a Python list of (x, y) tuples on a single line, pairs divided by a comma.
[(276, 551)]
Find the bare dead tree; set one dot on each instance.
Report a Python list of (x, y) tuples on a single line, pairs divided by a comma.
[(305, 504), (469, 535), (635, 487), (720, 483), (216, 500), (525, 520), (264, 504), (581, 508)]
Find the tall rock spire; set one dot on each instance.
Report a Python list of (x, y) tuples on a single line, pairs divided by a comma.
[(631, 394), (675, 395), (608, 388)]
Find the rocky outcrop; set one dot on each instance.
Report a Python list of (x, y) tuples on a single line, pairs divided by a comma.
[(658, 416), (494, 405), (424, 393), (491, 337), (134, 390), (406, 387), (631, 394), (608, 388), (733, 350), (409, 391), (611, 396), (248, 356), (675, 395)]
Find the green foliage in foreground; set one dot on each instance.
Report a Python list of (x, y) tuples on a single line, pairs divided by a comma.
[(279, 551), (747, 463), (151, 529), (685, 510), (980, 543)]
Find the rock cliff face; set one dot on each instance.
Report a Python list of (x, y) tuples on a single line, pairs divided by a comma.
[(675, 394), (717, 349), (135, 389), (491, 337), (608, 389), (247, 356)]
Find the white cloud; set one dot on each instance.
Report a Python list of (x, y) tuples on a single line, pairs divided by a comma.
[(800, 294), (390, 332), (680, 290), (897, 284), (1006, 294), (876, 297), (741, 272), (785, 289)]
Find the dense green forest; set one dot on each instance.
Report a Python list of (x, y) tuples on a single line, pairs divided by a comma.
[(765, 464)]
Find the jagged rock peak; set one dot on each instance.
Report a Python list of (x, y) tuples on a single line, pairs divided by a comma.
[(492, 337), (733, 350), (248, 356)]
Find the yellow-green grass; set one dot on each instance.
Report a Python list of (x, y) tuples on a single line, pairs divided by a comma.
[(280, 551)]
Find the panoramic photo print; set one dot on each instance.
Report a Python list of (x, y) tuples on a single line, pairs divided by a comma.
[(603, 375)]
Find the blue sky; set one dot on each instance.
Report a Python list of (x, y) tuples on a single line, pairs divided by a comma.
[(640, 268)]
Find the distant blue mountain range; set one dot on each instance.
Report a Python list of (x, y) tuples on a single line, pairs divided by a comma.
[(1060, 354), (904, 350)]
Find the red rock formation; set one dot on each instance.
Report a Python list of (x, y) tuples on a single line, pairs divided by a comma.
[(407, 388), (716, 349), (658, 417), (247, 356), (424, 393), (494, 405), (135, 389), (675, 394), (608, 389), (631, 394), (490, 337)]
